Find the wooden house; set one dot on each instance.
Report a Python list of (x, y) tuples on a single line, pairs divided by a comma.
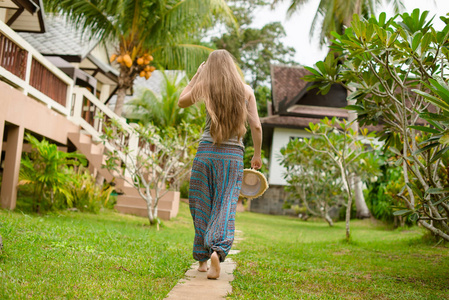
[(53, 85)]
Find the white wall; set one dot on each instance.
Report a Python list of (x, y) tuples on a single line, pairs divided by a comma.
[(281, 137), (100, 53), (3, 15)]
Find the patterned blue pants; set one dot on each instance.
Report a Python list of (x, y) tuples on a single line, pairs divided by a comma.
[(215, 184)]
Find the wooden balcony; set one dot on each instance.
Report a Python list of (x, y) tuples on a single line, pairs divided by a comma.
[(22, 67), (12, 57)]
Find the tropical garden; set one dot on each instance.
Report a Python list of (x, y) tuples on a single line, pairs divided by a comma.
[(374, 204)]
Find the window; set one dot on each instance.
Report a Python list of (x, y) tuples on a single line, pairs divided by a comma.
[(300, 138)]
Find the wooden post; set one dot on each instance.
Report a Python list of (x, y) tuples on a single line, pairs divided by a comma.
[(2, 129), (28, 73), (13, 149)]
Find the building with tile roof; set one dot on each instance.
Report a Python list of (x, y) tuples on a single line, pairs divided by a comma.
[(23, 15), (78, 54), (293, 107)]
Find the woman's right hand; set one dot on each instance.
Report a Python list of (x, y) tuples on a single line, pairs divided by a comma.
[(194, 78), (200, 68), (256, 162)]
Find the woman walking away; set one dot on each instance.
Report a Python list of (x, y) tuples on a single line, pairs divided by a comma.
[(217, 170)]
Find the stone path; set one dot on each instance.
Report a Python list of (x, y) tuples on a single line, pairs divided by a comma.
[(195, 285)]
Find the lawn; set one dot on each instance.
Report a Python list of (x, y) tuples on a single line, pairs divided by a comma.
[(285, 258), (70, 255)]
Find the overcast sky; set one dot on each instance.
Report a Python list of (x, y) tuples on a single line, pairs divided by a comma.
[(298, 26)]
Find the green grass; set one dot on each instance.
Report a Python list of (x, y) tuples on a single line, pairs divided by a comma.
[(285, 258), (69, 255)]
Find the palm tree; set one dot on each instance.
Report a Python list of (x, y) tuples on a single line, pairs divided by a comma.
[(163, 110), (335, 15), (143, 30)]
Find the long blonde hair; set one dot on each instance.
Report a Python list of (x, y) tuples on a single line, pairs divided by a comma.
[(221, 87)]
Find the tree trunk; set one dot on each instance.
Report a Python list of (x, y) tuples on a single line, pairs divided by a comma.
[(121, 93), (347, 185), (125, 81), (348, 217), (328, 219), (436, 231), (150, 211), (360, 204)]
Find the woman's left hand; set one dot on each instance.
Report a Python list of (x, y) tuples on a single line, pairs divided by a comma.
[(256, 162)]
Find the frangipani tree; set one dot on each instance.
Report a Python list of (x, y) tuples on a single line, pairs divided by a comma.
[(145, 32), (393, 64), (312, 177), (342, 151), (162, 158)]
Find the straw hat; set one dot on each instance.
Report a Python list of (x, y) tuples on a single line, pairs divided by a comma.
[(254, 184)]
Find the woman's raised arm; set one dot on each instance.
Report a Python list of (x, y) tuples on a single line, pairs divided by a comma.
[(185, 99), (256, 128)]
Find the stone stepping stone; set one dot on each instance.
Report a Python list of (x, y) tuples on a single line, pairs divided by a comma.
[(196, 286)]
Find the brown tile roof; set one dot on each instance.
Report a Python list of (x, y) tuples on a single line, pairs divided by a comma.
[(286, 83), (287, 121), (300, 122), (322, 111)]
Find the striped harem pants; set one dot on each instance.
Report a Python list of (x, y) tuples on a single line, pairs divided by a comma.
[(215, 184)]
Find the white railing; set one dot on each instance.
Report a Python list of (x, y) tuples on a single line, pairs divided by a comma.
[(86, 112), (26, 69)]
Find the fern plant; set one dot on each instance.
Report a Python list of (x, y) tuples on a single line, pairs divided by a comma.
[(46, 168)]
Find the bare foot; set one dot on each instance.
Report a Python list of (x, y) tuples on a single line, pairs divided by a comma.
[(214, 271), (203, 266)]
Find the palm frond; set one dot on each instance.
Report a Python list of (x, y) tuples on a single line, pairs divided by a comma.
[(162, 110), (398, 5), (182, 57), (183, 18)]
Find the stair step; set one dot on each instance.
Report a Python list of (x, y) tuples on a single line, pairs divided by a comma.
[(84, 147), (139, 202), (97, 149), (164, 214), (131, 201), (93, 153), (84, 138)]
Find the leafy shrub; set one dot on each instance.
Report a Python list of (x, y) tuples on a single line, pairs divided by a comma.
[(184, 189), (46, 169), (51, 179), (381, 194), (86, 195)]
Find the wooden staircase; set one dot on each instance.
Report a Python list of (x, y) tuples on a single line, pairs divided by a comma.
[(128, 200), (131, 203)]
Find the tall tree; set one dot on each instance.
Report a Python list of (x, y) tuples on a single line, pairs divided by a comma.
[(143, 30), (335, 15)]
